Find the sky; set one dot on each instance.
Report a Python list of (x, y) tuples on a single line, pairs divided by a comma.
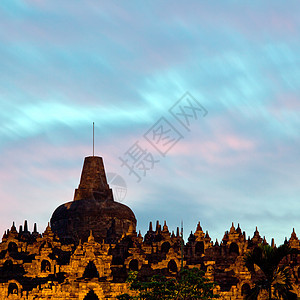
[(196, 110)]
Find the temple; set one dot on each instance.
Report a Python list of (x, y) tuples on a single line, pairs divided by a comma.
[(91, 244), (93, 209)]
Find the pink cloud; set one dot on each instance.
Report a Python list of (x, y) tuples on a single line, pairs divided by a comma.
[(238, 143), (224, 149), (286, 101)]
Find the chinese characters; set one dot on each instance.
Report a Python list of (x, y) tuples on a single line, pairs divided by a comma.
[(162, 136)]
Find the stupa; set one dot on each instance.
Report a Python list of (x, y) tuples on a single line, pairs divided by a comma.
[(93, 209)]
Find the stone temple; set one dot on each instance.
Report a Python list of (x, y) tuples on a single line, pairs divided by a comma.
[(91, 244), (93, 209)]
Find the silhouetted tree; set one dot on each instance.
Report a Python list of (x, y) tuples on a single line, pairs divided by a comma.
[(273, 277)]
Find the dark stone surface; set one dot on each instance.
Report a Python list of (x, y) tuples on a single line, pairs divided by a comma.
[(93, 209), (74, 220)]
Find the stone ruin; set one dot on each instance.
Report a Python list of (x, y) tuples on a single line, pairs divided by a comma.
[(91, 244)]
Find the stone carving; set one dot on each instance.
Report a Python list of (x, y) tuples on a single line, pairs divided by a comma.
[(92, 244)]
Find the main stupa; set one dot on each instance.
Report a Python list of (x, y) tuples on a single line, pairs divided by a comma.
[(93, 209)]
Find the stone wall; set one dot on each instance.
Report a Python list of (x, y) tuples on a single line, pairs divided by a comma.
[(40, 266)]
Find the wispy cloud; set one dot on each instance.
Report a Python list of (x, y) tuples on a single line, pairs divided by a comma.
[(123, 66)]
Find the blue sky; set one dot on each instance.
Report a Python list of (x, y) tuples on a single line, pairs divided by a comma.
[(124, 65)]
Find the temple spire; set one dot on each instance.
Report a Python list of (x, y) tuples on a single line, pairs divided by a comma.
[(34, 228), (150, 226), (93, 139), (25, 226), (93, 184)]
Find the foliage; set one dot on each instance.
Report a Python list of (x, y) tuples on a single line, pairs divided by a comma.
[(190, 284), (273, 277)]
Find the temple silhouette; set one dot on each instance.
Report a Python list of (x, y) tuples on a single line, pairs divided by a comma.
[(91, 244)]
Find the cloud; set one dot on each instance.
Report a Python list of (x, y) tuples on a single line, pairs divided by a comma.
[(123, 66)]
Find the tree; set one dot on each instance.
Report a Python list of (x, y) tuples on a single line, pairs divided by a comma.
[(190, 284), (264, 262)]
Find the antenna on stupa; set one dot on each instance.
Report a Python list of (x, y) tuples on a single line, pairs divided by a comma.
[(181, 248), (93, 139)]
